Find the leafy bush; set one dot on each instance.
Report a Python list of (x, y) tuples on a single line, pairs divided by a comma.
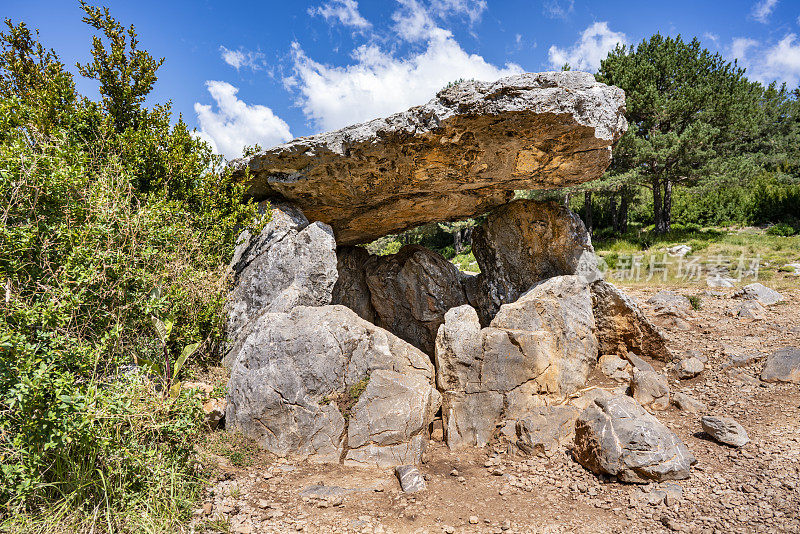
[(781, 229), (110, 215)]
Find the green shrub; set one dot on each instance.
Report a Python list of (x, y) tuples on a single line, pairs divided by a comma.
[(110, 215), (781, 229)]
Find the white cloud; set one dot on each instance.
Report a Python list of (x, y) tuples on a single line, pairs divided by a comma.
[(242, 58), (713, 37), (769, 62), (558, 9), (345, 11), (587, 53), (471, 9), (235, 123), (379, 82), (763, 9)]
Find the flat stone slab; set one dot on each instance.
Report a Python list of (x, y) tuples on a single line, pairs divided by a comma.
[(725, 430), (457, 156)]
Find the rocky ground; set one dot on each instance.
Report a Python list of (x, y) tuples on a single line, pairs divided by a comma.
[(755, 488)]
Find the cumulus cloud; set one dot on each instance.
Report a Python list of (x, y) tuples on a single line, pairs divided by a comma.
[(242, 58), (769, 62), (587, 53), (345, 11), (379, 82), (763, 9), (558, 9), (235, 123)]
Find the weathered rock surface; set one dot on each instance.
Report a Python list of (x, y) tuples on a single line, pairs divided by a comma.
[(689, 368), (669, 302), (615, 367), (725, 430), (457, 156), (410, 292), (541, 346), (389, 423), (290, 263), (290, 371), (650, 389), (616, 436), (750, 310), (410, 478), (544, 430), (351, 287), (561, 307), (759, 292), (782, 366), (525, 242), (622, 327), (687, 403)]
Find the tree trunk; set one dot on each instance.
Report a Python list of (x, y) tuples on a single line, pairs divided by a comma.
[(658, 212), (587, 204), (622, 218), (667, 207), (612, 207)]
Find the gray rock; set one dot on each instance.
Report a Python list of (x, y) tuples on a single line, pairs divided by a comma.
[(351, 287), (559, 308), (457, 156), (410, 478), (616, 436), (669, 302), (650, 389), (622, 327), (759, 292), (750, 310), (725, 430), (782, 366), (736, 359), (639, 363), (540, 347), (720, 281), (615, 367), (389, 423), (411, 291), (544, 430), (290, 263), (292, 372), (687, 403), (689, 368), (525, 242)]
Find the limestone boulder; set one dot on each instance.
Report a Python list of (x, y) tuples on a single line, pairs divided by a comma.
[(294, 374), (290, 263), (759, 292), (351, 287), (650, 389), (457, 156), (543, 431), (622, 327), (538, 349), (783, 365), (389, 423), (560, 307), (616, 436), (525, 242), (725, 430), (410, 292)]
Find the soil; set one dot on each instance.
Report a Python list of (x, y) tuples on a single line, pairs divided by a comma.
[(755, 488)]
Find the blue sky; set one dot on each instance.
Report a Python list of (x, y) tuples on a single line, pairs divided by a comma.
[(246, 72)]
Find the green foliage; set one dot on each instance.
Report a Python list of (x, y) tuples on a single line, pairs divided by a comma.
[(110, 216), (781, 229), (695, 301), (688, 110)]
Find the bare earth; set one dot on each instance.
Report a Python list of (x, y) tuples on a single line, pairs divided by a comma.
[(752, 489)]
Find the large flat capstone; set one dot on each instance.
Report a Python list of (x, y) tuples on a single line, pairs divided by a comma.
[(457, 156)]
